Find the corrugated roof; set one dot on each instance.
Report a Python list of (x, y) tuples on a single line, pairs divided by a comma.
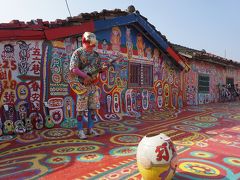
[(39, 29), (202, 55), (40, 24)]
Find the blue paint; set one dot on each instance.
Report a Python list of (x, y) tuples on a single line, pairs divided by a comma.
[(101, 25), (229, 172), (118, 21)]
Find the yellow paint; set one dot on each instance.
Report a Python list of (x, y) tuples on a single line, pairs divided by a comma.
[(32, 160), (2, 146), (198, 169), (154, 172), (75, 149), (49, 143), (59, 44)]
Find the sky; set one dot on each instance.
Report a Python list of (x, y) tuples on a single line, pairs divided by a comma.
[(213, 25)]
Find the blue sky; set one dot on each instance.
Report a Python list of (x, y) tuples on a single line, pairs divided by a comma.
[(213, 25)]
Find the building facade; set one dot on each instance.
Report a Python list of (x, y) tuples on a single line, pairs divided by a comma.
[(210, 79), (34, 68), (151, 76)]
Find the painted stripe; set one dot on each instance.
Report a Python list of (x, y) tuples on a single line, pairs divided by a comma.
[(118, 167), (61, 32), (118, 21), (133, 18), (19, 34), (153, 32)]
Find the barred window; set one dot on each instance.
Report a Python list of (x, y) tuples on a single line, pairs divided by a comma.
[(140, 75), (203, 83)]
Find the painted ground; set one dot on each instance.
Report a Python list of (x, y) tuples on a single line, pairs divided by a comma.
[(207, 139)]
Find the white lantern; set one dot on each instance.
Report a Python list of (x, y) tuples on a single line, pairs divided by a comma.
[(156, 157)]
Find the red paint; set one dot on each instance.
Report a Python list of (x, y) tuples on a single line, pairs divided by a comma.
[(57, 33), (173, 54), (42, 32), (177, 58), (21, 34), (162, 152)]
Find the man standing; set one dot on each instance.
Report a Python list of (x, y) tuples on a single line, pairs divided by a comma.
[(85, 65)]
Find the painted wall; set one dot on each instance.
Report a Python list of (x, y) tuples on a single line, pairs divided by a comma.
[(20, 80), (217, 75), (37, 72)]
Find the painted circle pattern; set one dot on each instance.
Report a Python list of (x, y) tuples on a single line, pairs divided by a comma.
[(123, 151), (220, 115), (123, 129), (199, 169), (131, 122), (29, 137), (186, 128), (159, 116), (202, 154), (205, 118), (57, 133), (108, 125), (235, 117), (90, 157), (199, 124), (234, 161), (126, 139), (76, 149), (22, 91), (59, 160), (113, 176), (56, 78)]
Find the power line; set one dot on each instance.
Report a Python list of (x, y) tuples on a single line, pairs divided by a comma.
[(68, 8)]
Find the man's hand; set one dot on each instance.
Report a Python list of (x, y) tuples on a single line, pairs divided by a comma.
[(87, 81)]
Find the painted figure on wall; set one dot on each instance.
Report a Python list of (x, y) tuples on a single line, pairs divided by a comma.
[(140, 45), (24, 55), (157, 64), (129, 43), (149, 53), (116, 39), (8, 53), (85, 65), (104, 46)]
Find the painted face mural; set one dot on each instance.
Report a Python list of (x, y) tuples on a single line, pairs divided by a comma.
[(116, 39), (140, 46), (129, 43)]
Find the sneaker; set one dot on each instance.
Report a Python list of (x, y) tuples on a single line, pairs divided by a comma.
[(81, 134), (92, 132)]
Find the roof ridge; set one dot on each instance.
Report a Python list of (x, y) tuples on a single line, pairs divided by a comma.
[(202, 53), (82, 17)]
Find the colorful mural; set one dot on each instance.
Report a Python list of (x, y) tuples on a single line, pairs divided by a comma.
[(217, 76), (20, 83), (34, 76), (37, 72)]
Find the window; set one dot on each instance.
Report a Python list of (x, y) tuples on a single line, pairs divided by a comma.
[(203, 83), (140, 75), (230, 81)]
